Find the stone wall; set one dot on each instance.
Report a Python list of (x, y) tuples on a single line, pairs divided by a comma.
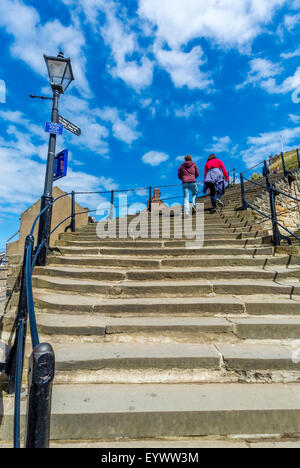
[(3, 276), (15, 250), (61, 209), (288, 211)]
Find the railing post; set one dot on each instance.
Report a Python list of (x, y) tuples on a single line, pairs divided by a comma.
[(234, 176), (150, 200), (277, 237), (244, 202), (298, 158), (73, 221), (111, 214), (40, 378), (21, 320), (283, 165)]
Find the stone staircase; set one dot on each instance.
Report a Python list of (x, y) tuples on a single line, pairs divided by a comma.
[(156, 340)]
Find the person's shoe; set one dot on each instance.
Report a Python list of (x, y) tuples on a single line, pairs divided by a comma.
[(194, 211), (213, 210), (220, 204)]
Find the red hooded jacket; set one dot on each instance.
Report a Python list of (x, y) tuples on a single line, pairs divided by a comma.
[(216, 164), (188, 172)]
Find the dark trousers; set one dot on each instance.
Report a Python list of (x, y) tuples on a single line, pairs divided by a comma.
[(213, 194)]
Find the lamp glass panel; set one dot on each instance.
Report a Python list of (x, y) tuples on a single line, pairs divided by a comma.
[(56, 70)]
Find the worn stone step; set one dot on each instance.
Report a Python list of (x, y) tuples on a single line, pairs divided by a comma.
[(189, 328), (78, 325), (220, 234), (169, 274), (123, 356), (164, 410), (100, 261), (267, 328), (271, 306), (231, 261), (195, 288), (206, 306), (70, 304), (258, 357), (187, 252), (173, 244), (195, 262)]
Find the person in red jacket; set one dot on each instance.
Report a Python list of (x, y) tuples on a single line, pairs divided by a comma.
[(188, 173), (215, 176)]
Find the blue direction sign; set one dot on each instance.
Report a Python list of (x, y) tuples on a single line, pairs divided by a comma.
[(60, 165), (54, 128)]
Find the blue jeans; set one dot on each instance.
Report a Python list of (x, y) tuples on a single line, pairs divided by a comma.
[(187, 188)]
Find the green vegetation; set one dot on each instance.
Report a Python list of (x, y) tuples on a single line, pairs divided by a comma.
[(290, 160)]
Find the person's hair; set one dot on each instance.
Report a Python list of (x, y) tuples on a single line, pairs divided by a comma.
[(188, 158), (212, 156)]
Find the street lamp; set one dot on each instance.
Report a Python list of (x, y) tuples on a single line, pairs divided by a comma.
[(60, 76), (60, 72)]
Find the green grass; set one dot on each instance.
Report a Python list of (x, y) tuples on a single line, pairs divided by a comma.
[(290, 159)]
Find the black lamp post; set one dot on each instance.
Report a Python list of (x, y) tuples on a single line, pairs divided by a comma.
[(61, 76)]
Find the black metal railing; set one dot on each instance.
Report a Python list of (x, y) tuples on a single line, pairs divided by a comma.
[(273, 193)]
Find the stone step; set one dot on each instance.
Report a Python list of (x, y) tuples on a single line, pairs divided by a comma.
[(169, 274), (124, 356), (192, 288), (259, 357), (196, 262), (173, 244), (70, 304), (164, 410), (221, 224), (260, 305), (211, 234), (154, 252), (213, 329)]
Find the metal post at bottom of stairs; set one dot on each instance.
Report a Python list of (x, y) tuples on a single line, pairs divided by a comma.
[(298, 158), (40, 379)]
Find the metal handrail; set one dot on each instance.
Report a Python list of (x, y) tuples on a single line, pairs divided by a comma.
[(273, 192)]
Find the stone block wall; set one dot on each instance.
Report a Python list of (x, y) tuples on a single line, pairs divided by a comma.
[(288, 211)]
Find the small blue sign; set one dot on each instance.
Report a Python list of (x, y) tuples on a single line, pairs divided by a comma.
[(54, 128), (61, 165)]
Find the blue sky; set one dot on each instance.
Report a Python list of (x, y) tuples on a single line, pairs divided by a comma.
[(154, 80)]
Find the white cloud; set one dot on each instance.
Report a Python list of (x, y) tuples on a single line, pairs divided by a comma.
[(184, 67), (155, 158), (265, 144), (31, 39), (229, 23), (123, 129), (261, 70), (291, 21), (290, 55), (196, 109), (22, 174), (129, 61), (221, 145), (294, 118), (263, 73)]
